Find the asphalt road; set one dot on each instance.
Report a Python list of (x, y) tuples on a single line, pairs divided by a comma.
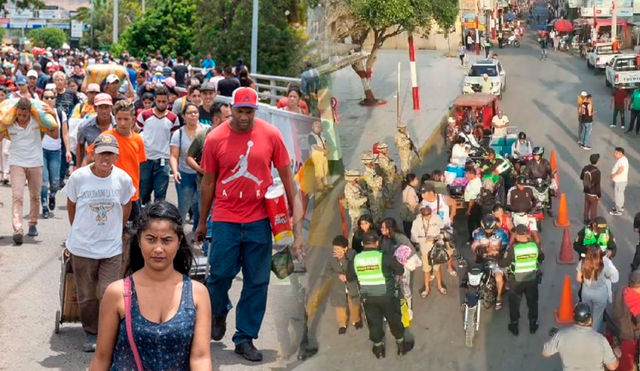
[(541, 100)]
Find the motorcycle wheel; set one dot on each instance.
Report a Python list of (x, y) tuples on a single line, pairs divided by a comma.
[(516, 43), (470, 331)]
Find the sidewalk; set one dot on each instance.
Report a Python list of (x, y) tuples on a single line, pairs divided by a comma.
[(439, 81)]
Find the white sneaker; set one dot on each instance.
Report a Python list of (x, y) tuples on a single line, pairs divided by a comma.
[(612, 126)]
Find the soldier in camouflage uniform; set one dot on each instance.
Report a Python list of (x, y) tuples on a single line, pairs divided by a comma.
[(375, 186), (404, 144), (389, 173), (355, 198)]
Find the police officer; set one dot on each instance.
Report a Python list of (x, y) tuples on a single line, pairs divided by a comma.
[(375, 186), (595, 234), (405, 147), (375, 272), (389, 171), (355, 198), (524, 260), (580, 346)]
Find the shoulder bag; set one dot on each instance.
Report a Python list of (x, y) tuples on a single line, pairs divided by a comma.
[(127, 320)]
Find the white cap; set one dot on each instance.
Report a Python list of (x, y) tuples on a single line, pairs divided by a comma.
[(112, 78), (451, 120), (32, 73), (584, 94)]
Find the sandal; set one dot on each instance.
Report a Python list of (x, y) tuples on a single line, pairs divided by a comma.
[(424, 294), (442, 290), (498, 304), (453, 273)]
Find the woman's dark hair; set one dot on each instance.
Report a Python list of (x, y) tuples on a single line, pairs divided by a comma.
[(147, 96), (295, 88), (408, 179), (497, 207), (187, 105), (157, 211), (392, 225), (362, 218), (425, 178)]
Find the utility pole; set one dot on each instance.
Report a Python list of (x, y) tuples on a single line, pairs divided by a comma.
[(144, 5), (92, 6), (115, 21), (254, 37), (614, 25)]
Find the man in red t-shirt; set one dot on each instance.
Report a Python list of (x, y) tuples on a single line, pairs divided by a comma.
[(618, 104), (237, 161)]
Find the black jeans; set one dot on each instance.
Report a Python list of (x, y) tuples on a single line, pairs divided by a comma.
[(530, 291), (473, 220), (633, 120), (378, 307), (406, 226)]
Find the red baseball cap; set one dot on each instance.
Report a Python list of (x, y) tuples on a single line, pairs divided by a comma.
[(245, 97)]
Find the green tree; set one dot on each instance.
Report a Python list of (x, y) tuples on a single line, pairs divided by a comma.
[(358, 20), (223, 27), (167, 26), (48, 37), (102, 20)]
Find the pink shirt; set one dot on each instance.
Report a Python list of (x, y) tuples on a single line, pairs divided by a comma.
[(242, 162)]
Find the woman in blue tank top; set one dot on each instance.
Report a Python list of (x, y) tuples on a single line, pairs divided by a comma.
[(170, 314)]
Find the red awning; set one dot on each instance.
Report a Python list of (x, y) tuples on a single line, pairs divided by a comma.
[(607, 22)]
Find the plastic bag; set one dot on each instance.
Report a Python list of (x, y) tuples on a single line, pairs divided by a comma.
[(404, 308), (97, 73), (282, 264)]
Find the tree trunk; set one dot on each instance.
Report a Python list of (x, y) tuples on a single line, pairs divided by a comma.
[(365, 71)]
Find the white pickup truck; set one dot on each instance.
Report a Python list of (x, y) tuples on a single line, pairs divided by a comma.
[(622, 72), (601, 54)]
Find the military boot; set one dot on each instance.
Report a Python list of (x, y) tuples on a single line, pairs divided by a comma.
[(405, 346), (379, 350)]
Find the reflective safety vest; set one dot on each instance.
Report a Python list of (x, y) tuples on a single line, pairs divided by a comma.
[(525, 261), (368, 267), (591, 239)]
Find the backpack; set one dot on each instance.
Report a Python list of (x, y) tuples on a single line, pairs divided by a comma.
[(587, 181)]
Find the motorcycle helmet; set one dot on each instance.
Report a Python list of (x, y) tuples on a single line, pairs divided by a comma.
[(522, 179), (538, 151), (467, 128), (489, 222), (581, 313), (522, 135)]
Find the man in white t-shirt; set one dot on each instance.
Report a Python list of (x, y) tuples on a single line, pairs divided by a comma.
[(619, 176), (25, 162), (98, 203), (156, 125), (500, 123)]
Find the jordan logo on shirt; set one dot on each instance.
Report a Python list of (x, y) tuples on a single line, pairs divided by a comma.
[(101, 209), (241, 169)]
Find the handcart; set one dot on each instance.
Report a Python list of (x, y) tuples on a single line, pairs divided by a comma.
[(69, 310)]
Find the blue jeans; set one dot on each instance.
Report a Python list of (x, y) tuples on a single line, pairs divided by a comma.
[(154, 178), (50, 175), (586, 133), (187, 197), (241, 246)]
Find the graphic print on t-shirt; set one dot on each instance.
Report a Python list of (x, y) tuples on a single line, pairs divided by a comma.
[(101, 209), (241, 169)]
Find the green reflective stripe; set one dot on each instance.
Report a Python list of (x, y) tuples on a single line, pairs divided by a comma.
[(525, 258), (368, 267), (601, 240)]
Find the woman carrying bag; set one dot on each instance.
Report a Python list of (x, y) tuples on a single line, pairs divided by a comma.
[(595, 277)]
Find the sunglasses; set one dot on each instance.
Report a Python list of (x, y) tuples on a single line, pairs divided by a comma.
[(49, 98)]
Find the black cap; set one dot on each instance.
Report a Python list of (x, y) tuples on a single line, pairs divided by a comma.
[(581, 313), (208, 87), (600, 224), (370, 237), (427, 187), (521, 230)]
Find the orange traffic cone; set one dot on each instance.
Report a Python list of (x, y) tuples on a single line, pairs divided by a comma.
[(556, 179), (563, 214), (564, 314), (566, 255), (552, 161)]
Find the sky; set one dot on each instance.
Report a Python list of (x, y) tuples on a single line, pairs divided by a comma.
[(68, 4)]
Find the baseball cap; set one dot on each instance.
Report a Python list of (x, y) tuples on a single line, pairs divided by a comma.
[(584, 94), (93, 88), (32, 73), (601, 224), (427, 187), (112, 78), (245, 97), (208, 87), (52, 67), (50, 86), (451, 120), (106, 143), (634, 278), (21, 80), (170, 83), (159, 69), (103, 99)]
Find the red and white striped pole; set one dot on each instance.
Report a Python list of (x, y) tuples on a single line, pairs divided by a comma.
[(414, 74)]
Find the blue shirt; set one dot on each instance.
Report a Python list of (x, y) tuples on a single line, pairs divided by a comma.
[(497, 234), (208, 63), (132, 77)]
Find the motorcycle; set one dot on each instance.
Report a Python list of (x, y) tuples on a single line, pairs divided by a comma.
[(512, 41), (542, 192), (519, 163), (481, 291)]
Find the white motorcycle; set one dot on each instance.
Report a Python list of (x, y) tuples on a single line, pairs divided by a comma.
[(512, 41)]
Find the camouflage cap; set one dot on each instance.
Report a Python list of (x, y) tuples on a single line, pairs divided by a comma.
[(366, 156), (383, 145), (401, 125), (352, 174)]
